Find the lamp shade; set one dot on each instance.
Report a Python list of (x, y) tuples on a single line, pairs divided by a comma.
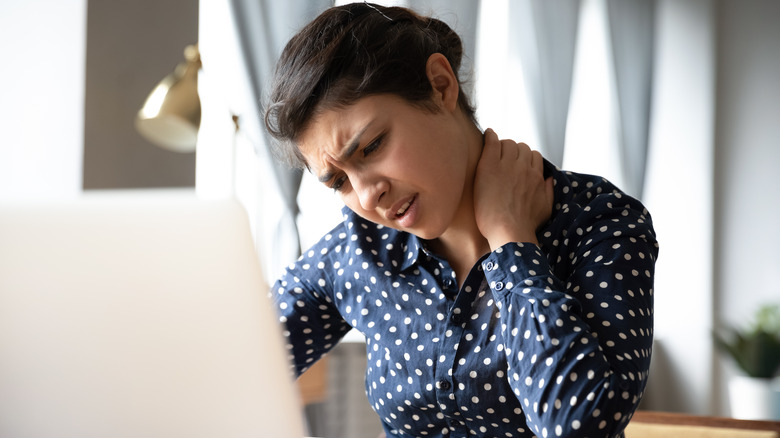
[(170, 117)]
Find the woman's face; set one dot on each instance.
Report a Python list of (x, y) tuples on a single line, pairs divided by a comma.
[(392, 163)]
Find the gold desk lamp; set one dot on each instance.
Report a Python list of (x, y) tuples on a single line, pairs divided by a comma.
[(170, 117)]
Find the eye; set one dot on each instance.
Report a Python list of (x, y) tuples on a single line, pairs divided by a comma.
[(373, 146), (338, 184)]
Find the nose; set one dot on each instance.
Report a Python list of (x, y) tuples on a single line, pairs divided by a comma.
[(369, 190)]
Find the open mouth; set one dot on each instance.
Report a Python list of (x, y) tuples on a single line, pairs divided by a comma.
[(404, 207), (405, 213)]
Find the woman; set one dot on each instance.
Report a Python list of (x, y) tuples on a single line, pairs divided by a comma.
[(499, 296)]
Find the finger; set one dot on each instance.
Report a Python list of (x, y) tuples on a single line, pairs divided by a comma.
[(523, 152), (491, 147), (510, 150), (537, 161)]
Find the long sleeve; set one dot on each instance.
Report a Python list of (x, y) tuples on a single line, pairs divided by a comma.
[(578, 341), (303, 299)]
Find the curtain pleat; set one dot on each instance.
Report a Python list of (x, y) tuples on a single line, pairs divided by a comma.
[(263, 28), (544, 34), (632, 32)]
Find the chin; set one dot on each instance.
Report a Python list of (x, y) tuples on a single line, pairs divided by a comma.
[(426, 234)]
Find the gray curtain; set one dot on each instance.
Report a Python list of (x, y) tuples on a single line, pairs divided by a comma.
[(544, 34), (264, 27), (632, 31)]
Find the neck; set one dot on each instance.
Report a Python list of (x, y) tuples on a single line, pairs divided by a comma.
[(462, 247), (462, 244)]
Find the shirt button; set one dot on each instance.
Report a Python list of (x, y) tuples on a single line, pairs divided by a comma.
[(499, 285), (455, 318), (489, 266), (449, 283), (444, 385)]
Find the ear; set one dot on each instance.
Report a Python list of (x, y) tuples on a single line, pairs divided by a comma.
[(443, 81)]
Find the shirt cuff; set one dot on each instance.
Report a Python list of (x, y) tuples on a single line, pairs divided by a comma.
[(516, 267)]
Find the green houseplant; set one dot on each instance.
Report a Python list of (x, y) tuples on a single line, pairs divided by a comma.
[(756, 351)]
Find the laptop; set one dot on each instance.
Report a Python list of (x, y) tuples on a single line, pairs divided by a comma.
[(138, 316)]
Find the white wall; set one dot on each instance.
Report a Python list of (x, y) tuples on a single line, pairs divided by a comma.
[(747, 145), (714, 164), (748, 157), (42, 111), (679, 195)]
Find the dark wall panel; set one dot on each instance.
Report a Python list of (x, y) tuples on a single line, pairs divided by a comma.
[(131, 46)]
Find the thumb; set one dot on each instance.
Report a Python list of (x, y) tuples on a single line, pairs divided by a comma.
[(491, 148)]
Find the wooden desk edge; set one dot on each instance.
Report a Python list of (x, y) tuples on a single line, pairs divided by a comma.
[(698, 420)]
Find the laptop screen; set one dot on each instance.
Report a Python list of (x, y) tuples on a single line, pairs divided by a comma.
[(135, 317)]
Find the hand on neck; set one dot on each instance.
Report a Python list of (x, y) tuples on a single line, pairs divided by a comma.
[(462, 244)]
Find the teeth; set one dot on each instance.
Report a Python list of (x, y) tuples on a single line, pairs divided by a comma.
[(403, 208)]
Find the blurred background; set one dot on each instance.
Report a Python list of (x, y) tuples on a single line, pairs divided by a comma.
[(676, 101)]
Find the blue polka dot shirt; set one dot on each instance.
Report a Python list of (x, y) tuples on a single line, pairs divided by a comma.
[(548, 340)]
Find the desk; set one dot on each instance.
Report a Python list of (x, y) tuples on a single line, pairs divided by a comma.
[(652, 424)]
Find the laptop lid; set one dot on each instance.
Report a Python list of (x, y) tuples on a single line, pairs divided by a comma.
[(136, 317)]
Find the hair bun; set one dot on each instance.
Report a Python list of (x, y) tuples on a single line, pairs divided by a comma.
[(448, 41)]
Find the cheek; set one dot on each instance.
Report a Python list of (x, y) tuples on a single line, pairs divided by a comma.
[(351, 200), (348, 200)]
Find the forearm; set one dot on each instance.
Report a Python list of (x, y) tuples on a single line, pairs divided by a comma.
[(575, 366)]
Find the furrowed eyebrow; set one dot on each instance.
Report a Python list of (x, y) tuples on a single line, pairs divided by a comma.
[(326, 177), (352, 146)]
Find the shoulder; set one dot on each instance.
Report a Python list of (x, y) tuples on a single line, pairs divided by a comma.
[(594, 196), (590, 208)]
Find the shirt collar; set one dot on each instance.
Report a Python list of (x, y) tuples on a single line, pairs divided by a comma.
[(413, 247)]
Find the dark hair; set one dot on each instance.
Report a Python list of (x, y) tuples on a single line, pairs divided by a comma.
[(353, 51)]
